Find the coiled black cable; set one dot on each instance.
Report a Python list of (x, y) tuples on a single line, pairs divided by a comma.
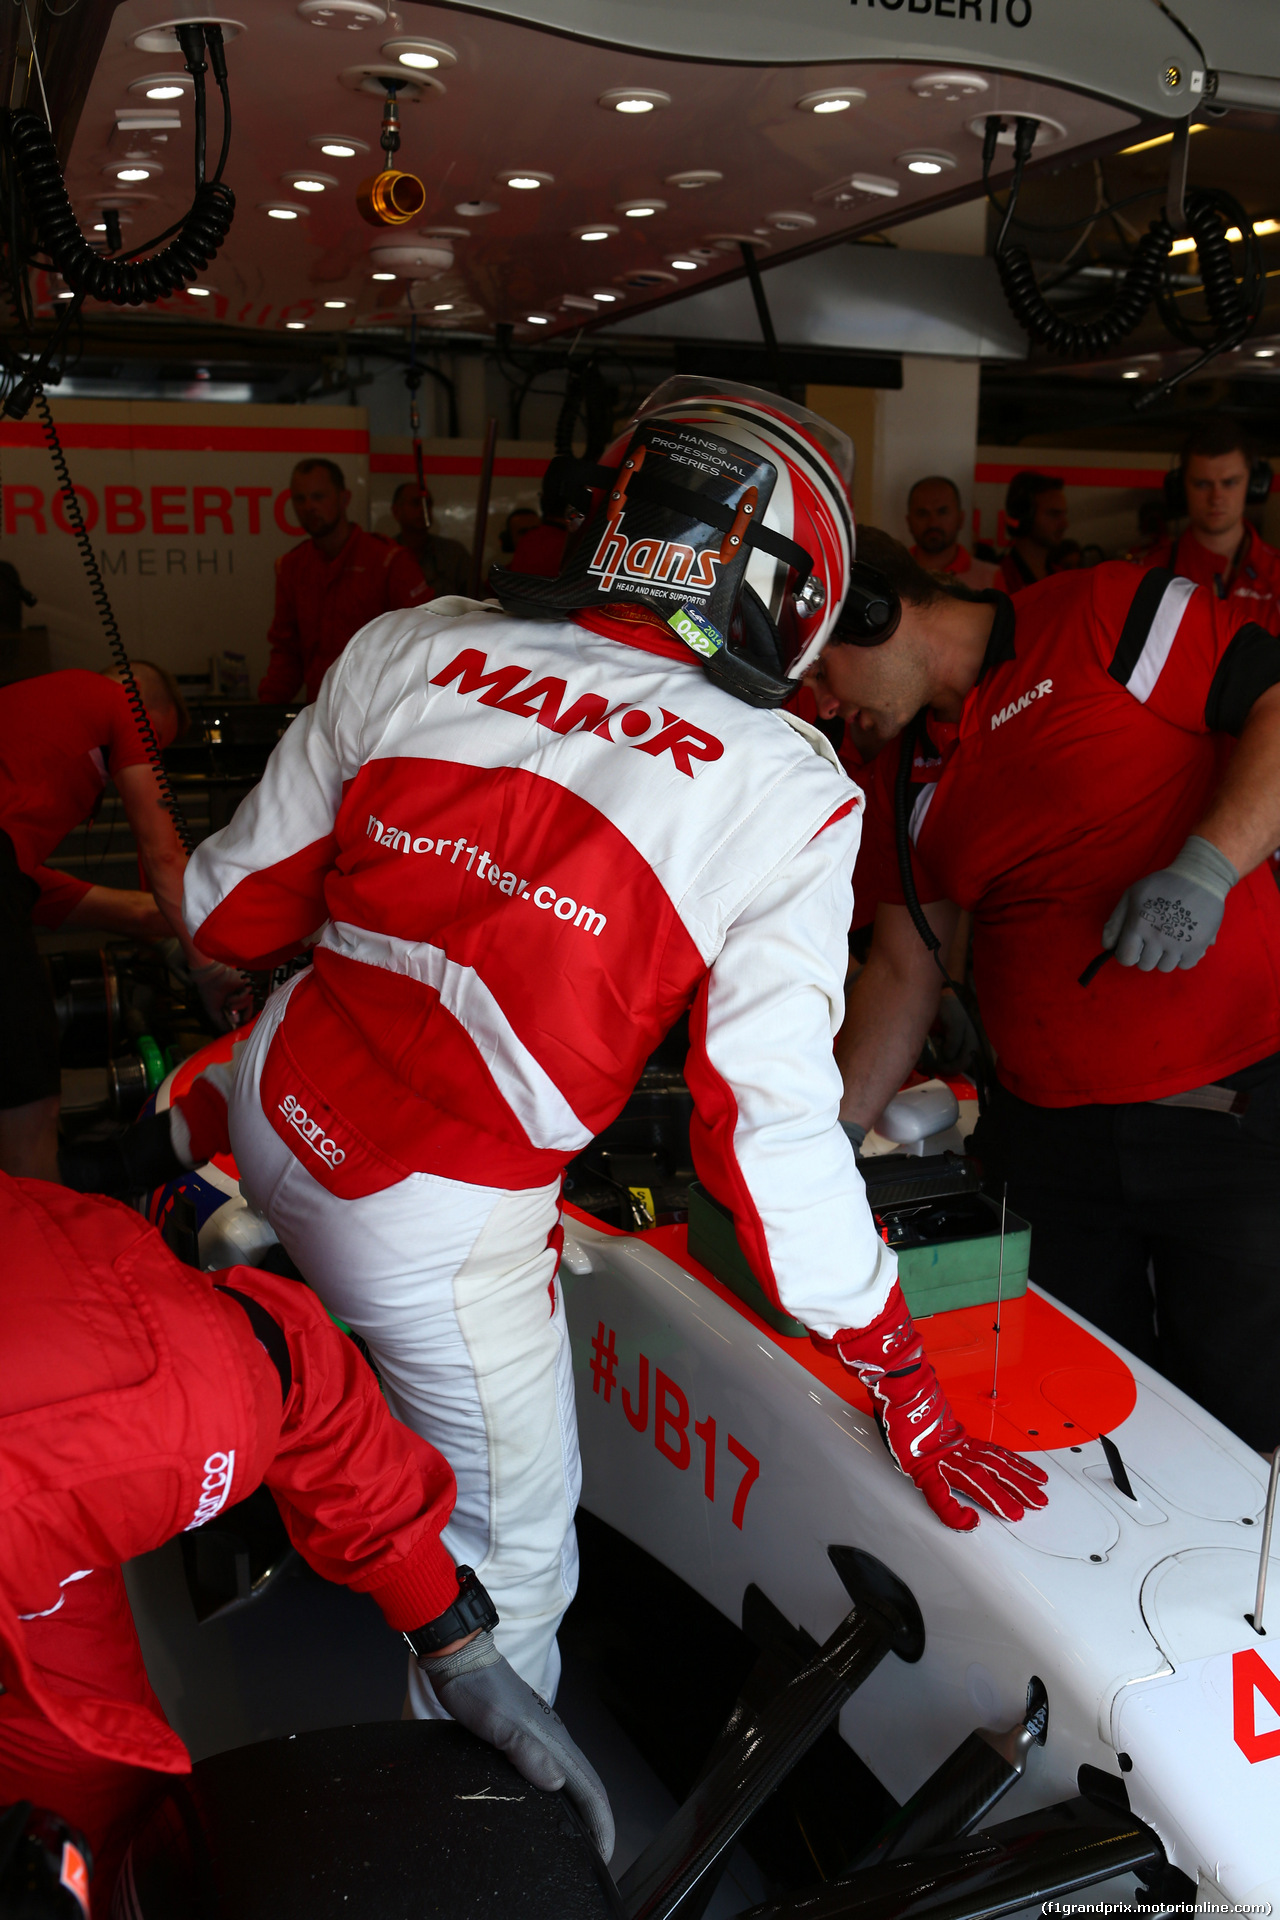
[(1233, 304), (102, 601), (119, 283), (1088, 339)]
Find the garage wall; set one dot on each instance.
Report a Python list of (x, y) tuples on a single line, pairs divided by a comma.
[(187, 508)]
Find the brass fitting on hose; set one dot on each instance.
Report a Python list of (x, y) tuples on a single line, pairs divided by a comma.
[(390, 198)]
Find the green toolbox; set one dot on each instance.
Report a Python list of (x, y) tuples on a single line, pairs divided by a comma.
[(948, 1250)]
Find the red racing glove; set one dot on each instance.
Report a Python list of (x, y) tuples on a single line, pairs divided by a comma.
[(922, 1434)]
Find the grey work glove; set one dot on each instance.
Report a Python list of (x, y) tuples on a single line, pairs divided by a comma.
[(1171, 918), (489, 1698), (225, 993)]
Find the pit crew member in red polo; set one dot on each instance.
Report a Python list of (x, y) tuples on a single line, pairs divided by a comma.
[(331, 585), (935, 516), (139, 1399), (527, 845), (1219, 548), (62, 736), (1068, 789)]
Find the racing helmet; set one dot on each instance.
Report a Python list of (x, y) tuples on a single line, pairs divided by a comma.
[(725, 510)]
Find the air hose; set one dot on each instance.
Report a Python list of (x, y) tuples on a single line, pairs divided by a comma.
[(915, 738), (121, 283), (1233, 305), (102, 601), (126, 281)]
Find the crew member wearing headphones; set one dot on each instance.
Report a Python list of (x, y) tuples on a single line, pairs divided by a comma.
[(1036, 509), (139, 1399), (1057, 762), (1217, 478)]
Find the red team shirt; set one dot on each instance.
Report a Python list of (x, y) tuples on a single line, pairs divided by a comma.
[(62, 735), (1085, 755), (320, 603), (1251, 587)]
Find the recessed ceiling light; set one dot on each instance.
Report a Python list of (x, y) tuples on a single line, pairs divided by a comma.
[(693, 178), (68, 295), (443, 306), (476, 209), (831, 100), (199, 293), (309, 182), (1264, 353), (1185, 245), (335, 305), (949, 86), (420, 56), (606, 297), (282, 213), (1266, 226), (538, 319), (161, 86), (598, 230), (353, 15), (295, 326), (383, 276), (685, 266), (634, 99), (1131, 373), (133, 173), (340, 147), (640, 209), (524, 179), (790, 222), (576, 303), (927, 160)]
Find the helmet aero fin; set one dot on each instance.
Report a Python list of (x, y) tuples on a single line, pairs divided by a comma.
[(725, 512)]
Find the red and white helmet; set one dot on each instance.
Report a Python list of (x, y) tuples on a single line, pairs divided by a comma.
[(727, 511)]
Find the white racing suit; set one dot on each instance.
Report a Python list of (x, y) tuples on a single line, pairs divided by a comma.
[(526, 848)]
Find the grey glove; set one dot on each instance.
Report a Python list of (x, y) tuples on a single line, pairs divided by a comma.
[(226, 994), (1171, 918), (489, 1698), (856, 1134)]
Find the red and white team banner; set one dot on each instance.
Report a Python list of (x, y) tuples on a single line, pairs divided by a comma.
[(187, 508)]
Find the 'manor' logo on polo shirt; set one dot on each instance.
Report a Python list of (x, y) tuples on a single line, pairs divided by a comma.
[(1022, 702)]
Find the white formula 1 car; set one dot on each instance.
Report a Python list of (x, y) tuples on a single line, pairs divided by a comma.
[(1112, 1632)]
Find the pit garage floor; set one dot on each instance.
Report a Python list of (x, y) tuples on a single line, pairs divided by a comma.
[(307, 1655)]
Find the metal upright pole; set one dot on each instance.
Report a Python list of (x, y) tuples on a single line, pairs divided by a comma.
[(1004, 1208), (1267, 1520), (482, 506)]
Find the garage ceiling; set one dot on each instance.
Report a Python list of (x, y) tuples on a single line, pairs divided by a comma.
[(509, 99)]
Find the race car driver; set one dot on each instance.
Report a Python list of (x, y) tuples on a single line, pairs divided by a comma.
[(62, 735), (1219, 547), (1065, 785), (139, 1398), (527, 845)]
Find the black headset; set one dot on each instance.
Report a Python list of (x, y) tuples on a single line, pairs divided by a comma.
[(871, 609), (1255, 494)]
